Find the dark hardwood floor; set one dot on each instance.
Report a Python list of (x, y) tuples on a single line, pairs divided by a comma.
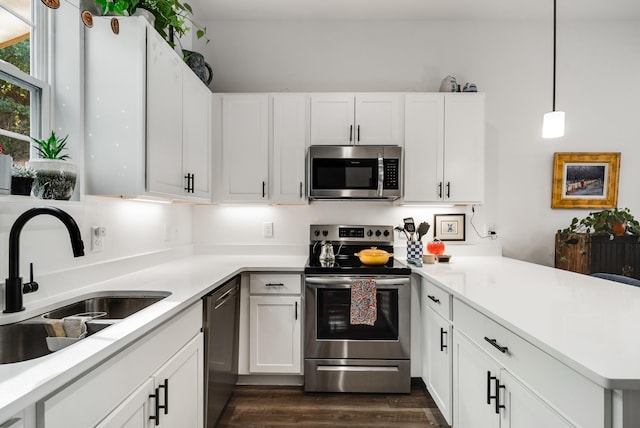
[(286, 406)]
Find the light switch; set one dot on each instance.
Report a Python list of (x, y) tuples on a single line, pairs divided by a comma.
[(267, 229)]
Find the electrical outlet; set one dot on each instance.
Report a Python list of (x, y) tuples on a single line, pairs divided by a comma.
[(98, 234), (267, 229)]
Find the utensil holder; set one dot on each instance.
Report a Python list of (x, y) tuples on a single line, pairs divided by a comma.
[(414, 250)]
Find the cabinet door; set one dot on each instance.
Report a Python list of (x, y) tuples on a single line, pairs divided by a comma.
[(474, 374), (289, 148), (179, 384), (164, 118), (424, 147), (274, 334), (196, 142), (379, 119), (437, 367), (133, 412), (332, 119), (245, 147), (524, 409), (464, 147)]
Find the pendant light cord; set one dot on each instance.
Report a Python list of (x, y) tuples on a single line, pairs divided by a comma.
[(554, 55)]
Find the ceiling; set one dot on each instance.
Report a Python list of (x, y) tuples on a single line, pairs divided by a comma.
[(206, 10)]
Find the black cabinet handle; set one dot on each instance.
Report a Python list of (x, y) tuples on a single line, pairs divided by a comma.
[(301, 190), (165, 386), (433, 299), (263, 188), (443, 345), (193, 182), (274, 284), (296, 311), (489, 378), (448, 189), (188, 179), (358, 133), (351, 133), (497, 397), (156, 417), (495, 344), (440, 189)]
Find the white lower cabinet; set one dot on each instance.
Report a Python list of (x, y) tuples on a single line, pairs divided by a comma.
[(437, 362), (501, 380), (156, 382), (437, 346), (274, 324), (487, 395)]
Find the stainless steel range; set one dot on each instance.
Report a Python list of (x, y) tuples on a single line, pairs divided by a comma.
[(346, 356)]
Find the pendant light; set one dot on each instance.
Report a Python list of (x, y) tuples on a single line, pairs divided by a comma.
[(553, 122)]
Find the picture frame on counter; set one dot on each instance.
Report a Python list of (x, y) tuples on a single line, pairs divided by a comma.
[(449, 227), (585, 180)]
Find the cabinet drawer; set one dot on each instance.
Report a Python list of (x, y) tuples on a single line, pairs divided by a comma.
[(437, 299), (572, 394), (268, 283)]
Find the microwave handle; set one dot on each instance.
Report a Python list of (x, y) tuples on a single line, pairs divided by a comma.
[(380, 174)]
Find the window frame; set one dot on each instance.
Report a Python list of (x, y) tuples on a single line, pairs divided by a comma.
[(40, 48)]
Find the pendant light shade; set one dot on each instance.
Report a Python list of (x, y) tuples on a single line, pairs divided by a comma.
[(553, 122)]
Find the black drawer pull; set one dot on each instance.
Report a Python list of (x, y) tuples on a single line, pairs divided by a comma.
[(433, 299), (498, 388), (274, 284), (494, 343), (156, 417)]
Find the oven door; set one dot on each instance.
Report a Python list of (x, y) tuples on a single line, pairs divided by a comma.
[(329, 333)]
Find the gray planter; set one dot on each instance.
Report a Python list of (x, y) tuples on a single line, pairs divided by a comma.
[(55, 179)]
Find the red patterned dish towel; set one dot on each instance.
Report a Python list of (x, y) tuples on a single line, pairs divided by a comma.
[(363, 302)]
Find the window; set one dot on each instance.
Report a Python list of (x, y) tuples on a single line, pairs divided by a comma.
[(23, 90)]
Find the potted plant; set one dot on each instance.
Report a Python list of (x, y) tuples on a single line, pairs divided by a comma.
[(21, 179), (573, 242), (171, 16), (55, 177)]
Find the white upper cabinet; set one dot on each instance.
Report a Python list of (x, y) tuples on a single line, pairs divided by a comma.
[(149, 134), (245, 147), (290, 142), (368, 119), (444, 148)]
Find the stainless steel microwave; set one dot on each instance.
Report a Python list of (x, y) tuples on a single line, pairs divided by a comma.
[(354, 172)]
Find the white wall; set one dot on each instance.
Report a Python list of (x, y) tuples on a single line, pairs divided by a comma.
[(598, 65)]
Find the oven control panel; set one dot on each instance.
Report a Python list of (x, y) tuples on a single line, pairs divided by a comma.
[(333, 232)]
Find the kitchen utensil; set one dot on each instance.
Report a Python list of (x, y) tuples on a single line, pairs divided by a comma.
[(400, 229), (423, 228), (410, 227), (373, 256)]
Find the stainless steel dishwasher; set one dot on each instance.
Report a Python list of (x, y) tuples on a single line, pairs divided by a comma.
[(221, 320)]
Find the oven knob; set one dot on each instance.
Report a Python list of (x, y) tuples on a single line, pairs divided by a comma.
[(316, 232), (385, 233), (378, 233), (369, 232), (325, 232)]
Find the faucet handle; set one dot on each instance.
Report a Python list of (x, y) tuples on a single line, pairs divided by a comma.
[(30, 286)]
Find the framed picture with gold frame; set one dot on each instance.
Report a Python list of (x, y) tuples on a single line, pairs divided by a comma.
[(585, 180)]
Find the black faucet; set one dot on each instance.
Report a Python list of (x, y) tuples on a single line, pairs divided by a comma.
[(13, 285)]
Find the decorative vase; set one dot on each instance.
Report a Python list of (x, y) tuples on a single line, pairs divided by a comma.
[(196, 62), (21, 185), (55, 179)]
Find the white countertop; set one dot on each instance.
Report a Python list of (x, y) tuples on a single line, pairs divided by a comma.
[(188, 279), (589, 324)]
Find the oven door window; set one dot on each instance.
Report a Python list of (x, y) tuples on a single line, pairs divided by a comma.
[(333, 316), (345, 174)]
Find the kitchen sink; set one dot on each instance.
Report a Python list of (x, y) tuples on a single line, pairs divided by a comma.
[(26, 339)]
